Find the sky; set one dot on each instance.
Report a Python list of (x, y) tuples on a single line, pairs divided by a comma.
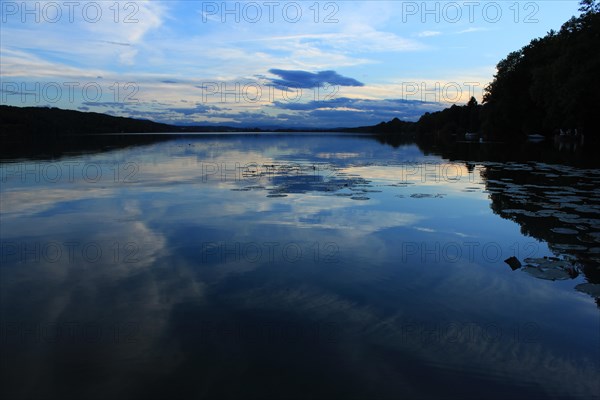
[(267, 64)]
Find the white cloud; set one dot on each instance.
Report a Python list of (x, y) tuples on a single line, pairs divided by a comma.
[(472, 29), (86, 42), (429, 33)]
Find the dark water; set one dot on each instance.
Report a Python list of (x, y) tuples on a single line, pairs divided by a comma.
[(297, 267)]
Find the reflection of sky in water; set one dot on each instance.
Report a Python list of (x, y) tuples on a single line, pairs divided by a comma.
[(389, 247)]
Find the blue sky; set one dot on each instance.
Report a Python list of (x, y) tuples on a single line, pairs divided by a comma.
[(264, 63)]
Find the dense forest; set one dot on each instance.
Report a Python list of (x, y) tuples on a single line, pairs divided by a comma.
[(46, 124), (549, 85), (52, 132)]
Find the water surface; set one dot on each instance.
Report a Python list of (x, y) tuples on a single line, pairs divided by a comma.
[(297, 266)]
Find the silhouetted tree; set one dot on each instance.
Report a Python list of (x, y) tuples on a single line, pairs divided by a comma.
[(550, 83)]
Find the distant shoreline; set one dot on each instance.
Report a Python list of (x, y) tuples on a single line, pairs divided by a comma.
[(51, 123)]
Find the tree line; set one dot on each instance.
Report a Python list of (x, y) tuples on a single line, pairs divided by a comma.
[(549, 85)]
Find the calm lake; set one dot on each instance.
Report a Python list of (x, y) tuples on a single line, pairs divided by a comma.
[(297, 266)]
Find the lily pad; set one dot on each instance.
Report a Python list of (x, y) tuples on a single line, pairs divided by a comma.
[(570, 247), (565, 231), (588, 209), (595, 236), (554, 264), (561, 214), (513, 211), (593, 289), (568, 220), (594, 222), (536, 260), (550, 263), (546, 212), (547, 274)]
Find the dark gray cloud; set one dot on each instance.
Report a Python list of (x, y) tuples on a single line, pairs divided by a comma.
[(198, 109), (315, 104), (305, 80), (363, 104), (344, 111), (115, 43), (109, 104), (334, 113)]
